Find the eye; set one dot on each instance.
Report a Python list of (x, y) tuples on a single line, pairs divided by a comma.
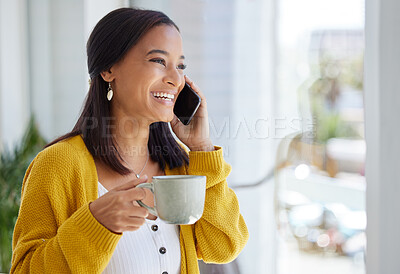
[(181, 66), (159, 61)]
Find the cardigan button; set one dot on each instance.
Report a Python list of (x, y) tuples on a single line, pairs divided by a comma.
[(165, 272), (154, 227), (162, 250)]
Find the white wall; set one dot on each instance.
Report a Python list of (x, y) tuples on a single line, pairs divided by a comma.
[(40, 64), (14, 77), (382, 101), (43, 63), (252, 137), (94, 10), (58, 63)]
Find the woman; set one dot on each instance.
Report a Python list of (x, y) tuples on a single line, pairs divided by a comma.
[(78, 212)]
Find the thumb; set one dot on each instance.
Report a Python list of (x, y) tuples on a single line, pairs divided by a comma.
[(175, 121)]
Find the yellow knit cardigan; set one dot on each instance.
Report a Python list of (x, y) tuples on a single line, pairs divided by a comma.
[(56, 233)]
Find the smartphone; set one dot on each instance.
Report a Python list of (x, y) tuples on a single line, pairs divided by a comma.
[(186, 104)]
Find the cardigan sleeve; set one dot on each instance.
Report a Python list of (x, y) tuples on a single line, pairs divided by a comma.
[(55, 231), (221, 232)]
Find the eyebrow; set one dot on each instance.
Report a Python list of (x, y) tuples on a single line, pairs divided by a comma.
[(162, 52)]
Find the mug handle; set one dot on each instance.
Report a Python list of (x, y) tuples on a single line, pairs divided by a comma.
[(152, 210)]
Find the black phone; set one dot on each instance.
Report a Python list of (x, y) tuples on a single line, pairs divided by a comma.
[(186, 104)]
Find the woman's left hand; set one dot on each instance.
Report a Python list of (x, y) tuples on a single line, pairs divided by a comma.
[(196, 135)]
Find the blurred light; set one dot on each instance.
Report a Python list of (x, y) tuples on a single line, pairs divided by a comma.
[(302, 171), (355, 244), (354, 220), (310, 215), (301, 231), (293, 198), (313, 235), (323, 240)]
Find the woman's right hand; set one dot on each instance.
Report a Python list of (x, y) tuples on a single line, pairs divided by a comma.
[(117, 211)]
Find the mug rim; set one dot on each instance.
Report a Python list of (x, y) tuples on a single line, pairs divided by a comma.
[(163, 177)]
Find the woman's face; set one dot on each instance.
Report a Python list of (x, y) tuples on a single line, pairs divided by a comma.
[(147, 80)]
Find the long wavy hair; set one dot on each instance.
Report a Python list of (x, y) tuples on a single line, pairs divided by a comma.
[(110, 40)]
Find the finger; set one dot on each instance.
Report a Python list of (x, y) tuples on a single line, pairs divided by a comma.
[(131, 228), (135, 221), (191, 84), (132, 184), (188, 80), (132, 223), (134, 194), (175, 121), (138, 211), (195, 88)]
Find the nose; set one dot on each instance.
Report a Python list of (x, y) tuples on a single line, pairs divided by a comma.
[(173, 77)]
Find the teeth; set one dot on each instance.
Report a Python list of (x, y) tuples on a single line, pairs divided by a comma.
[(164, 95)]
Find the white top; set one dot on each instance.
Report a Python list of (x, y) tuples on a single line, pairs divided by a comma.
[(154, 248)]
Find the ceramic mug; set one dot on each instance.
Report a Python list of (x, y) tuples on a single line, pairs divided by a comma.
[(178, 199)]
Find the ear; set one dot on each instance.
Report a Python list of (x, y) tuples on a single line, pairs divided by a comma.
[(108, 75)]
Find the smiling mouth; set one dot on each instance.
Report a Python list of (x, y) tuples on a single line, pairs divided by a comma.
[(163, 95)]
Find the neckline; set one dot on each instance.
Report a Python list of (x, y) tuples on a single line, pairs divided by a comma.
[(78, 141), (103, 187)]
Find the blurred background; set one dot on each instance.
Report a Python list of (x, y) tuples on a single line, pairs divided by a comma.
[(285, 91)]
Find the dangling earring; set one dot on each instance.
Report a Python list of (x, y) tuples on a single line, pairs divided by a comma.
[(110, 92)]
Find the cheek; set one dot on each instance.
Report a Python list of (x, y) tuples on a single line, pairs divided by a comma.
[(182, 79), (182, 84), (130, 97)]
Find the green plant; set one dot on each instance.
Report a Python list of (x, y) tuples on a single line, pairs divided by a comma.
[(332, 76), (330, 125), (13, 164)]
